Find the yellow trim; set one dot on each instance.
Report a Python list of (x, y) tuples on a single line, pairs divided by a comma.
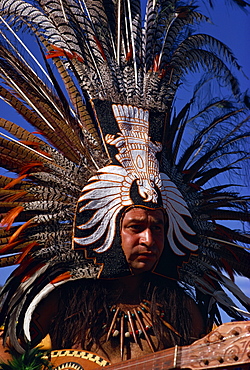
[(80, 354)]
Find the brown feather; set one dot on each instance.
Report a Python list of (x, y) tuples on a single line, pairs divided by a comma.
[(20, 133), (8, 261)]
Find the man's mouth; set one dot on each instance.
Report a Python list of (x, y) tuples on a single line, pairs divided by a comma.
[(147, 256)]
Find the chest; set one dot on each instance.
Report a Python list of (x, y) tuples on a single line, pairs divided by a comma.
[(116, 352), (125, 333), (128, 335)]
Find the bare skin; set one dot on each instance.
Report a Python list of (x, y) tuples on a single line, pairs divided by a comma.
[(129, 300), (142, 235)]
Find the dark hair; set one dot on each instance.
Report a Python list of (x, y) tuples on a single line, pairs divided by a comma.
[(84, 307)]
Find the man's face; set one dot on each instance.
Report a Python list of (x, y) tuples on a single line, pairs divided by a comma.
[(142, 236)]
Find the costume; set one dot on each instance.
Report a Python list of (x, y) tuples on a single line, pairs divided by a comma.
[(112, 141)]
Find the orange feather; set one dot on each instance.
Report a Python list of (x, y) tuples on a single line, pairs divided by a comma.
[(8, 247), (16, 196), (19, 230), (30, 166), (156, 63), (31, 272), (14, 182), (26, 251), (11, 216), (30, 143), (100, 48), (59, 52), (129, 54), (65, 276)]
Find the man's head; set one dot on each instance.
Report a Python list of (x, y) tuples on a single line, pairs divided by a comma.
[(142, 238), (132, 180)]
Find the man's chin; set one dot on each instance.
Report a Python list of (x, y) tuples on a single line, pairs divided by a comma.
[(142, 266)]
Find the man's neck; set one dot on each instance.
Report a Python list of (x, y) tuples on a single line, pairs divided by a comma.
[(131, 288)]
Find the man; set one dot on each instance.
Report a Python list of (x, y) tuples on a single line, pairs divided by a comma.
[(116, 293), (96, 268), (126, 317), (124, 308)]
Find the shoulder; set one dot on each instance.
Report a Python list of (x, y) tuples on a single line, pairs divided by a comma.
[(186, 302), (43, 316), (198, 324)]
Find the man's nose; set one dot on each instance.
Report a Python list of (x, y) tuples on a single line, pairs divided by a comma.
[(147, 237)]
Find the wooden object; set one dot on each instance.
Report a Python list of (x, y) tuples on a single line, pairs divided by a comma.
[(228, 346)]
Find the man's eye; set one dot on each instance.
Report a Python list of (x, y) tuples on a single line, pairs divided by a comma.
[(135, 227), (157, 228)]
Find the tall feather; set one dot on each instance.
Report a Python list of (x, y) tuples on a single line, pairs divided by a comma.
[(99, 50)]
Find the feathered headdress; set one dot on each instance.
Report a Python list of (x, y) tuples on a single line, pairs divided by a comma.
[(108, 137)]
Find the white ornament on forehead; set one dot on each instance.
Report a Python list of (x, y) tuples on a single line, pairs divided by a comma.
[(136, 152), (109, 190)]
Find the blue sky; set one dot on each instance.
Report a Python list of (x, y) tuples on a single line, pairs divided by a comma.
[(230, 25)]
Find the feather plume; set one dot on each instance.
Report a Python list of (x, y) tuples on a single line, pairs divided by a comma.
[(91, 53)]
